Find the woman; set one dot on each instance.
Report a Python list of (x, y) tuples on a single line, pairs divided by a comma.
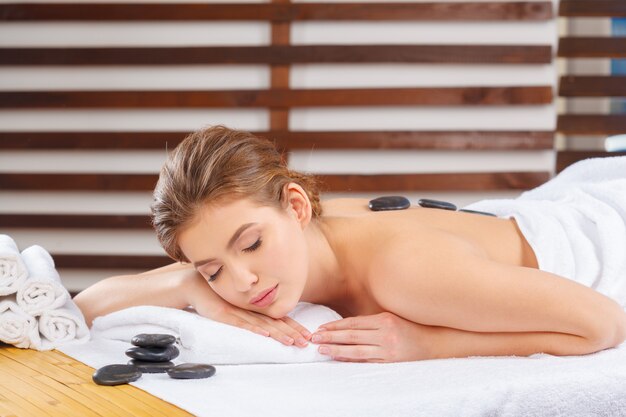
[(411, 284)]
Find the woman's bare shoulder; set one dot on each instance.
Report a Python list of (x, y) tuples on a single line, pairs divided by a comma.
[(345, 207)]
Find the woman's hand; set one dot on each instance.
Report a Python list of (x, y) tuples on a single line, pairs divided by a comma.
[(382, 337), (208, 304)]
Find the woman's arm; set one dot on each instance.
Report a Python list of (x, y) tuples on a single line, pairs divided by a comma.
[(169, 286), (440, 282), (178, 286)]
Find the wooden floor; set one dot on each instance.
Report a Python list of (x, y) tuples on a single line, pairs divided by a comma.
[(50, 383)]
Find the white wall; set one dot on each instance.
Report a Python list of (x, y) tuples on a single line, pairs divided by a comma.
[(252, 77)]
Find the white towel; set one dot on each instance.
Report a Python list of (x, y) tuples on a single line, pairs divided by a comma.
[(540, 386), (62, 326), (42, 290), (13, 272), (205, 340), (576, 223), (17, 327), (41, 294)]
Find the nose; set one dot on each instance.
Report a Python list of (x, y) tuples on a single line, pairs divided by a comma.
[(244, 279)]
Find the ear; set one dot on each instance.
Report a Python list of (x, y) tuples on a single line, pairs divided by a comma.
[(297, 203)]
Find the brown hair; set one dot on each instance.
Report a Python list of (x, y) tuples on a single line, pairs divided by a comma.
[(218, 164)]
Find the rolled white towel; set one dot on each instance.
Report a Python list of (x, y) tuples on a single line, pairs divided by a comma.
[(13, 272), (16, 326), (42, 290), (61, 326)]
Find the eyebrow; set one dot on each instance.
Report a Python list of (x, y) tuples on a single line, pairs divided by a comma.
[(231, 242)]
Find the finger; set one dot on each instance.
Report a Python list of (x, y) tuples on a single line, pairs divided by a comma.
[(282, 331), (303, 331), (261, 324), (360, 322), (244, 324), (353, 337), (353, 352)]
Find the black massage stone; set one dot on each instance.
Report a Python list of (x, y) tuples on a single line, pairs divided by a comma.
[(151, 367), (153, 339), (478, 212), (426, 202), (191, 371), (392, 202), (153, 354), (116, 374)]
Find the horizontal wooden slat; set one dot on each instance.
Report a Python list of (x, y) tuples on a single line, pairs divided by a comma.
[(280, 55), (592, 8), (436, 182), (588, 47), (78, 182), (90, 140), (332, 182), (567, 158), (433, 96), (279, 12), (592, 86), (76, 221), (291, 140), (591, 124), (82, 261)]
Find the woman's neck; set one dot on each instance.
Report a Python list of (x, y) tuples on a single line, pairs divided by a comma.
[(327, 282)]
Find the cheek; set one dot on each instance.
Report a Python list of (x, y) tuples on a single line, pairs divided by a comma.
[(286, 257)]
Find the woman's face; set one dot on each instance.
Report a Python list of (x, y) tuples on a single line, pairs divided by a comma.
[(243, 249)]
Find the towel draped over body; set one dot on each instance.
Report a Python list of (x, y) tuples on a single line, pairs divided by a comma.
[(576, 223)]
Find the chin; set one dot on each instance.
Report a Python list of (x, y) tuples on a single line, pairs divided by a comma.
[(277, 311)]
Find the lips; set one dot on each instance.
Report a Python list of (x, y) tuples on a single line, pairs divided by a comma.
[(262, 294)]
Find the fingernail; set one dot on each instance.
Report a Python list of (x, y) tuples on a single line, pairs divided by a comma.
[(307, 333), (324, 350), (288, 340), (316, 338), (320, 329), (302, 341)]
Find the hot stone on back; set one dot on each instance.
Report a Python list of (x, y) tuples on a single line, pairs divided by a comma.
[(427, 202), (391, 202)]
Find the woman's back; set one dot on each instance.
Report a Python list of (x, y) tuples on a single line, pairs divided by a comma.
[(362, 231), (496, 238)]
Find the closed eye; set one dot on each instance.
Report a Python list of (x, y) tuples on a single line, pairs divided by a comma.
[(252, 248)]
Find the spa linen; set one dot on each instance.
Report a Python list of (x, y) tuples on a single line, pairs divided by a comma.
[(576, 223), (17, 327), (40, 314), (62, 326), (42, 290), (540, 385), (13, 272)]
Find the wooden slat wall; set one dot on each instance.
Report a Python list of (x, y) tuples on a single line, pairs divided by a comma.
[(280, 99), (281, 11), (590, 86)]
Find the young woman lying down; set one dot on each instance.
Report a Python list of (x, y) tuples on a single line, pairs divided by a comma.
[(251, 239)]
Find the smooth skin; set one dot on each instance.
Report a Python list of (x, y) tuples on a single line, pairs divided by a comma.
[(411, 284)]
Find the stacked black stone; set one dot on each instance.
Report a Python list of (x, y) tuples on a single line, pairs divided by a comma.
[(151, 353)]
